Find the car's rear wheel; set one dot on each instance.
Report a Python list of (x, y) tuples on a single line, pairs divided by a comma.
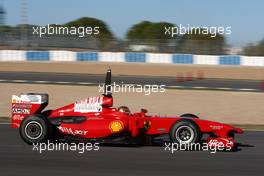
[(185, 132), (35, 129)]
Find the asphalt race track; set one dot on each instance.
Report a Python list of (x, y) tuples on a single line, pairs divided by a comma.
[(18, 158), (91, 80)]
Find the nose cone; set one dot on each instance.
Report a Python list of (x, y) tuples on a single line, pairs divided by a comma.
[(238, 130)]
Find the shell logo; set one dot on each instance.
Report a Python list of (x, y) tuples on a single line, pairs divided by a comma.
[(116, 126)]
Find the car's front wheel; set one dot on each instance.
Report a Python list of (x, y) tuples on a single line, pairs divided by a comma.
[(35, 129), (185, 132)]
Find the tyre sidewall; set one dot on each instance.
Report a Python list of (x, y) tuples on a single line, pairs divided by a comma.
[(188, 123), (38, 119)]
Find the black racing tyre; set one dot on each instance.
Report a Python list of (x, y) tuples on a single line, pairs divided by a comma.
[(35, 129), (189, 116), (185, 132)]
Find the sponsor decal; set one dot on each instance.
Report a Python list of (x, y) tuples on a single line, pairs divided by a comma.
[(221, 142), (20, 111), (18, 117), (22, 106), (116, 126), (72, 131), (147, 125), (214, 142), (214, 127), (91, 104), (26, 99)]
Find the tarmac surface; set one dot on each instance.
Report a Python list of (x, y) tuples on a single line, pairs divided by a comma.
[(18, 158), (169, 82)]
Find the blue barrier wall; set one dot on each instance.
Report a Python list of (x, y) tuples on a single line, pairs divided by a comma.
[(229, 60), (182, 59), (37, 56), (86, 56), (137, 57)]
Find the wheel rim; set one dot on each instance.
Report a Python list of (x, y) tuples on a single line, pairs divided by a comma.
[(184, 134), (33, 130)]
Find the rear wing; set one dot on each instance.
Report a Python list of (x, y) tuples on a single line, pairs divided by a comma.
[(24, 105)]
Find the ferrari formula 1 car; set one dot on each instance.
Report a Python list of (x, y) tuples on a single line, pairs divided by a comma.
[(95, 119)]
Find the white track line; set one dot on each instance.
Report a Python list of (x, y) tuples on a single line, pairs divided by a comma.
[(19, 81), (197, 87), (63, 82), (41, 81), (176, 87), (248, 89), (212, 88), (225, 88), (89, 83), (85, 83)]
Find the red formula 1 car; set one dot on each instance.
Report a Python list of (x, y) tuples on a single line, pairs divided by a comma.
[(95, 119)]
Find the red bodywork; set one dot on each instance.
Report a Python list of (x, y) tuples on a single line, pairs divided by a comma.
[(99, 120)]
